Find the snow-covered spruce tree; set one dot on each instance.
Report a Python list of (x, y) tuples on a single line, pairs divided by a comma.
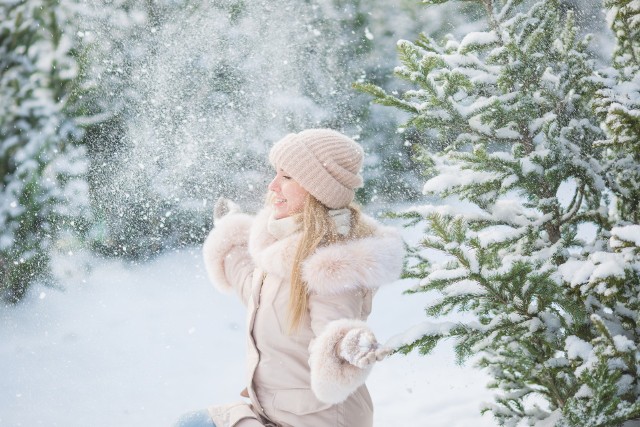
[(509, 140), (610, 366), (619, 107), (41, 169)]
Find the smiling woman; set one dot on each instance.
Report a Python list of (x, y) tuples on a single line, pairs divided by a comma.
[(307, 267), (287, 195)]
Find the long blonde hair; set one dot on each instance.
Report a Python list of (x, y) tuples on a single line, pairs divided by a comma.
[(318, 229)]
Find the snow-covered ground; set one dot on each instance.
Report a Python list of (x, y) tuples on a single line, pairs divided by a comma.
[(137, 345)]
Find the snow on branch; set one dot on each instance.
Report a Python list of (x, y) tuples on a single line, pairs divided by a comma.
[(418, 331), (598, 267), (477, 40), (625, 234)]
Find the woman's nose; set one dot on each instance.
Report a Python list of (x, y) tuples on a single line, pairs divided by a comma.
[(273, 185)]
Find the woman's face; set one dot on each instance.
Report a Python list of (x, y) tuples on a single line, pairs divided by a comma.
[(288, 196)]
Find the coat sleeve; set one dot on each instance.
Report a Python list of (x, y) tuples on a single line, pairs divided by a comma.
[(226, 256), (333, 379), (341, 279)]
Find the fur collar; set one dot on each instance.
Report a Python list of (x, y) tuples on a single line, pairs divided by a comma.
[(369, 262)]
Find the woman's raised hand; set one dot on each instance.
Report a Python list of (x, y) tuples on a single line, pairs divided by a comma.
[(224, 207)]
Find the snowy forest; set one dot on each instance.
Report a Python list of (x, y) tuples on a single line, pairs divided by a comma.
[(502, 136)]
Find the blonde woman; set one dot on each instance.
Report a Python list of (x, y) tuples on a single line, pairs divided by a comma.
[(306, 267)]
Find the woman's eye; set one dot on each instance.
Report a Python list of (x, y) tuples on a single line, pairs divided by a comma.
[(286, 177)]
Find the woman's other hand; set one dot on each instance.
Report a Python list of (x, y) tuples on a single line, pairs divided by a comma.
[(360, 348)]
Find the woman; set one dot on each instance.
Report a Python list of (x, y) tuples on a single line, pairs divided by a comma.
[(306, 267)]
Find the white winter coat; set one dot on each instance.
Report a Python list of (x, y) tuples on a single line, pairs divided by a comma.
[(299, 379)]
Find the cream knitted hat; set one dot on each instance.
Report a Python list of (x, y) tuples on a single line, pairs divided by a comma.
[(324, 162)]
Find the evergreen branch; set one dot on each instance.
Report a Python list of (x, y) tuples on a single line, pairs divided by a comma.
[(382, 98), (493, 21), (624, 31), (574, 205), (424, 336), (412, 217), (460, 303), (433, 2), (507, 9), (424, 344), (604, 407), (466, 338), (629, 357)]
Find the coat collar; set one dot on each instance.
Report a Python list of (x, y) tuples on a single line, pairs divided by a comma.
[(364, 263), (274, 256)]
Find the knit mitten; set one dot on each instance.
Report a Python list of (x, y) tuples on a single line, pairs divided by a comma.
[(360, 348), (224, 207)]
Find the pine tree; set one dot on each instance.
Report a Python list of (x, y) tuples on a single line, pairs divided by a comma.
[(610, 391), (509, 139), (41, 167), (618, 105)]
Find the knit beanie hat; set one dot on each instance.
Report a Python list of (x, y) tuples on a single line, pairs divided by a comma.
[(324, 162)]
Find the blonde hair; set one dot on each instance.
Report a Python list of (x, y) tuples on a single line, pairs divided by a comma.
[(318, 229)]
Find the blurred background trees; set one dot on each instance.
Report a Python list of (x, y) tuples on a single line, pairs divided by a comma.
[(43, 162), (122, 121)]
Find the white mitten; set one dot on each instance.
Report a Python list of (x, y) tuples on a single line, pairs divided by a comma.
[(224, 207), (360, 348)]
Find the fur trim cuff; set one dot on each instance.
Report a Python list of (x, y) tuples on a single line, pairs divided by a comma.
[(230, 232), (333, 379)]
